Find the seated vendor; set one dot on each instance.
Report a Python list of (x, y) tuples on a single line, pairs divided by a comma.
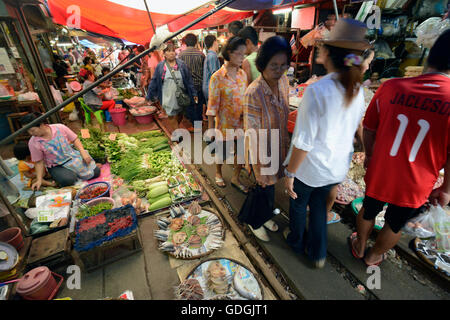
[(51, 148), (111, 92), (107, 83), (94, 97), (26, 166)]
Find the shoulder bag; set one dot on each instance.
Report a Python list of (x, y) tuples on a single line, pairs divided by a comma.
[(182, 97)]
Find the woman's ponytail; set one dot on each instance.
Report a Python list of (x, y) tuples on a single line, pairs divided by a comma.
[(348, 65)]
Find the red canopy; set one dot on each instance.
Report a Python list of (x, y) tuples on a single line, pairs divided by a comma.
[(111, 19)]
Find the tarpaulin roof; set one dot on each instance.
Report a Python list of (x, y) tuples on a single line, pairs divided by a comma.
[(128, 19), (89, 44), (265, 4)]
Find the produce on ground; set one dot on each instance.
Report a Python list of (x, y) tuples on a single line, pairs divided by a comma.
[(92, 193), (189, 289), (93, 145), (89, 211), (104, 227)]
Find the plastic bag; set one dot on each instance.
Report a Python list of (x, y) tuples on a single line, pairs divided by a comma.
[(383, 50), (56, 95), (429, 8), (420, 226), (73, 116), (429, 30), (123, 196), (29, 96), (311, 37), (441, 224)]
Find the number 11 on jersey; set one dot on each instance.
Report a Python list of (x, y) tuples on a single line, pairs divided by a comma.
[(424, 127)]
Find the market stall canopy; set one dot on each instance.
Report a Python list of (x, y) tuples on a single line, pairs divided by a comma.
[(89, 44), (265, 4), (128, 19)]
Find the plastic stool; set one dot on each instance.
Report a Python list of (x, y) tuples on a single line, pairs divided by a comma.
[(87, 113)]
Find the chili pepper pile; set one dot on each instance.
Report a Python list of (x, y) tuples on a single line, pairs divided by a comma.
[(93, 192)]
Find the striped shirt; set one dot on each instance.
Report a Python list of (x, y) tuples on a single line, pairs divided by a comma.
[(194, 60), (263, 110)]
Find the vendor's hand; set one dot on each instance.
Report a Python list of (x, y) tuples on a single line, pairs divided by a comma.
[(36, 185), (86, 158), (196, 100), (289, 187), (439, 196)]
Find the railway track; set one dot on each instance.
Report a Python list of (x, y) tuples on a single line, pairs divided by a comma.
[(286, 287)]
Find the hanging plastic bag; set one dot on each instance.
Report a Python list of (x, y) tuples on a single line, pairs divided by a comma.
[(56, 95)]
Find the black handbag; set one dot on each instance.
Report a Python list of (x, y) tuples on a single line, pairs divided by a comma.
[(258, 206), (183, 99)]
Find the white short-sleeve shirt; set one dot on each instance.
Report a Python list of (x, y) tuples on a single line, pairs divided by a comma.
[(325, 127)]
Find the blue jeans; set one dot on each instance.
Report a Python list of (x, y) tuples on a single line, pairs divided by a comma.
[(315, 240)]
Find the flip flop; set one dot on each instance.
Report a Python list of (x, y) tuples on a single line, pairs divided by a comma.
[(350, 240), (383, 257), (334, 220), (240, 187), (272, 226), (220, 180)]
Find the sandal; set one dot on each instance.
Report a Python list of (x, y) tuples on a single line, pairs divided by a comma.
[(240, 187), (350, 241), (335, 219), (383, 257), (272, 226), (260, 233), (220, 183)]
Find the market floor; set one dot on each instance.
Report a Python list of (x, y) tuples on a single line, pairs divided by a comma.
[(147, 274)]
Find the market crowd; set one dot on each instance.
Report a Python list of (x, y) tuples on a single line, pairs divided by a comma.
[(404, 131)]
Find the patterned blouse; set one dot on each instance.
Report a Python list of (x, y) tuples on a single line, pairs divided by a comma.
[(226, 99), (263, 110)]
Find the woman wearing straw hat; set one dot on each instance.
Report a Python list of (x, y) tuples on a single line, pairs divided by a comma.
[(322, 143)]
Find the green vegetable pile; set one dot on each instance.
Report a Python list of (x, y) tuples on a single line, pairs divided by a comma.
[(94, 146), (133, 157), (128, 93), (87, 211)]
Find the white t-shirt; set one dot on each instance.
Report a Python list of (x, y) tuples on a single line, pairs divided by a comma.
[(325, 127)]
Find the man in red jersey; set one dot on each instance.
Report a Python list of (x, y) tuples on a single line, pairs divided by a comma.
[(407, 143)]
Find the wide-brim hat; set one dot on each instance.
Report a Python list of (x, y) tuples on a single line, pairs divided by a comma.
[(348, 34)]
